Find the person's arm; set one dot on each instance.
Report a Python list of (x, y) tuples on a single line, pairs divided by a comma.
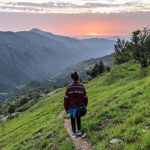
[(66, 98)]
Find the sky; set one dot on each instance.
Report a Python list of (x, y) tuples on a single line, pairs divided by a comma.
[(75, 17)]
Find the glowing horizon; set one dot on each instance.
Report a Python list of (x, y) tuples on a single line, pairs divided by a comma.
[(75, 17)]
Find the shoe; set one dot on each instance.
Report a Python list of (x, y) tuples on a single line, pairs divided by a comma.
[(74, 135), (78, 133)]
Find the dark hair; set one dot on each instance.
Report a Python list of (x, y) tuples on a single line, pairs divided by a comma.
[(75, 76)]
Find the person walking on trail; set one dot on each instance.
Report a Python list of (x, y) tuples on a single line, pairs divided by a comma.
[(75, 102)]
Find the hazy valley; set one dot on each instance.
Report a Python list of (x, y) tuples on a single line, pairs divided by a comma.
[(37, 55)]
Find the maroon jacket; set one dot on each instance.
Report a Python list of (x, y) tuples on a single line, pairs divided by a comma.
[(75, 96)]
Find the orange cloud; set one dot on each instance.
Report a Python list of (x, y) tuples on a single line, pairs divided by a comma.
[(76, 24)]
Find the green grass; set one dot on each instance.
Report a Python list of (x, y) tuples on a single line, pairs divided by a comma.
[(37, 128), (118, 108)]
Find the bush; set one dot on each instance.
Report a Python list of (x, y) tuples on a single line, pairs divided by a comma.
[(140, 45), (23, 101), (122, 53), (138, 48), (11, 109), (98, 69)]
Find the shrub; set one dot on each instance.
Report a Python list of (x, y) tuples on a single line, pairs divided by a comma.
[(98, 69), (140, 45), (23, 101), (138, 48), (11, 109), (122, 53)]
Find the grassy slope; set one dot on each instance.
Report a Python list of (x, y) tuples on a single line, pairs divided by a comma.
[(37, 128), (118, 108)]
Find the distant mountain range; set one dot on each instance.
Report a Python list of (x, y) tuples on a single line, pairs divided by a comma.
[(90, 48), (61, 80), (37, 55), (110, 37)]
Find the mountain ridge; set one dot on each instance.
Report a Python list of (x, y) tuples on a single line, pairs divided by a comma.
[(30, 55)]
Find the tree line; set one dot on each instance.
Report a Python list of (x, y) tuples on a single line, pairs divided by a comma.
[(137, 49), (98, 68)]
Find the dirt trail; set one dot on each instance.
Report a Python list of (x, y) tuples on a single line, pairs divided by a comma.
[(81, 143)]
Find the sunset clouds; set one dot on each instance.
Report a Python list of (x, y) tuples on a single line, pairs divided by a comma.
[(74, 6), (75, 17)]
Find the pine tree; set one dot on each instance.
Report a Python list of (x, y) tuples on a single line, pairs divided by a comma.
[(96, 70)]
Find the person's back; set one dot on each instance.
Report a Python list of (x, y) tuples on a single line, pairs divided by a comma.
[(77, 95), (75, 98)]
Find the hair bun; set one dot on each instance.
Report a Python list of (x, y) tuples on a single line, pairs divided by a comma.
[(75, 76)]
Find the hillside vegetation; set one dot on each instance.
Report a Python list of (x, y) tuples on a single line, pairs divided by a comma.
[(37, 55), (9, 89), (37, 128), (82, 69), (118, 108)]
